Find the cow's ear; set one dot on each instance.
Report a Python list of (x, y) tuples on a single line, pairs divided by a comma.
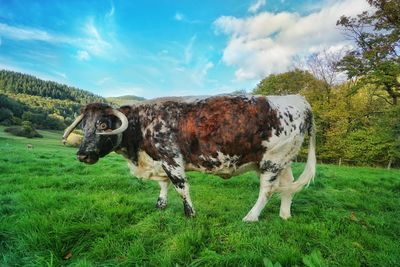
[(125, 109)]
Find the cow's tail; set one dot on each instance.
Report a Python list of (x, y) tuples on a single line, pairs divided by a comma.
[(309, 171)]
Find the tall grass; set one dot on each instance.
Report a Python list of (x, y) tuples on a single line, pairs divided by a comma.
[(56, 211)]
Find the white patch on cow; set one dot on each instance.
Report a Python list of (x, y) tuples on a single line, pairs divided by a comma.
[(164, 189), (147, 168), (178, 170), (163, 129), (284, 147), (162, 198)]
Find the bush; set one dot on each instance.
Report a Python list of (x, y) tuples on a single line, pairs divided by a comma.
[(5, 114), (75, 138), (26, 130)]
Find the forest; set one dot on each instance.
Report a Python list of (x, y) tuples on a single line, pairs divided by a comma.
[(46, 104)]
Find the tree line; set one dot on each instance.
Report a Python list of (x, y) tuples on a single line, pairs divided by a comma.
[(18, 83), (45, 104)]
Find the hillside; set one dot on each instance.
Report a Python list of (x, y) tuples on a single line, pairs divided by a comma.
[(47, 104), (19, 83), (125, 100)]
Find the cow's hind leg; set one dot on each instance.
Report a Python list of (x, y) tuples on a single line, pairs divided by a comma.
[(268, 178), (285, 179), (176, 173), (162, 198)]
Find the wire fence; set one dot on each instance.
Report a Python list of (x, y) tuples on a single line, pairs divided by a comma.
[(389, 164)]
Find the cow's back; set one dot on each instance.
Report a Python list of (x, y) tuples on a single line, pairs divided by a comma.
[(225, 130)]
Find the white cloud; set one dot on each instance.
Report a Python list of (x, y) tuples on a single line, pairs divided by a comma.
[(61, 74), (179, 16), (256, 6), (184, 19), (189, 50), (103, 80), (111, 12), (26, 33), (92, 40), (199, 73), (266, 43), (83, 55)]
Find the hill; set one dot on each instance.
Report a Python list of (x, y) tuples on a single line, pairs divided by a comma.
[(19, 83), (47, 104), (125, 100)]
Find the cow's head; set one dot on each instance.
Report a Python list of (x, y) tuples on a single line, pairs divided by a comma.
[(102, 128)]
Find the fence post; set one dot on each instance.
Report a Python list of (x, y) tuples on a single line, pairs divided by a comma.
[(389, 164), (340, 162)]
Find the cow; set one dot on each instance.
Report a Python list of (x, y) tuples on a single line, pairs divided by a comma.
[(224, 135)]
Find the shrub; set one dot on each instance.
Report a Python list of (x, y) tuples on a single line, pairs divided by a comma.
[(75, 138), (5, 114), (26, 130)]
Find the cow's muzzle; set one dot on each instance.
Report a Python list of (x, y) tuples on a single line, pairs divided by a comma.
[(88, 158)]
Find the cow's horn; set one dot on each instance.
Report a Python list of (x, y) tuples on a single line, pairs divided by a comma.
[(124, 124), (69, 130)]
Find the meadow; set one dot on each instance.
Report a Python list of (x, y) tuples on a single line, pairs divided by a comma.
[(55, 211)]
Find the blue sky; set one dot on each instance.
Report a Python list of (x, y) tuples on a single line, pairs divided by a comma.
[(160, 48)]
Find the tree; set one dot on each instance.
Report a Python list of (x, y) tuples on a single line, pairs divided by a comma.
[(375, 60), (291, 82), (5, 114), (323, 66)]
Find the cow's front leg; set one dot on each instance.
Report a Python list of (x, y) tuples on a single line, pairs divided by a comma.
[(162, 198), (176, 173)]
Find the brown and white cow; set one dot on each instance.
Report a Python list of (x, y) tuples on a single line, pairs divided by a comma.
[(224, 135)]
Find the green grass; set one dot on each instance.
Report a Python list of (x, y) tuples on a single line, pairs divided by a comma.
[(56, 211)]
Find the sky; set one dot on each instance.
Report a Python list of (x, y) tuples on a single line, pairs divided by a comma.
[(159, 48)]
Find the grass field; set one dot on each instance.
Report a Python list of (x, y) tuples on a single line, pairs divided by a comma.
[(56, 211)]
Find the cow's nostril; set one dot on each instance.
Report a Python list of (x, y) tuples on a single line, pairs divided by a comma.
[(82, 157)]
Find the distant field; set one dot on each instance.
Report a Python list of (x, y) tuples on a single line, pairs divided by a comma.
[(56, 211)]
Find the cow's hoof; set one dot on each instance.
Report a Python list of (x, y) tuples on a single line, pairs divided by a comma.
[(189, 211), (161, 203), (250, 219), (285, 216)]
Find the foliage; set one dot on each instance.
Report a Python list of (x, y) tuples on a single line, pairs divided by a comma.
[(375, 60), (48, 105), (5, 114), (59, 212), (75, 138), (291, 82), (269, 263), (26, 130), (18, 83), (15, 107), (125, 100), (359, 127), (314, 259)]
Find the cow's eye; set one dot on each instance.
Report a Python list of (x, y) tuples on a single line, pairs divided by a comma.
[(103, 126)]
